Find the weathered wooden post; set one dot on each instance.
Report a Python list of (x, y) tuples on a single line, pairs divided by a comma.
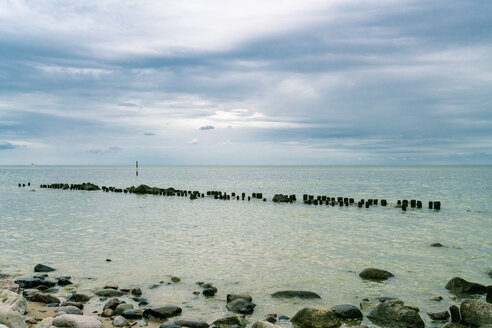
[(136, 168), (437, 206)]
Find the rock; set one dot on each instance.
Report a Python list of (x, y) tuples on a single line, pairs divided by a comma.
[(3, 326), (455, 314), (77, 321), (490, 274), (375, 274), (64, 282), (208, 292), (13, 300), (69, 309), (141, 323), (9, 285), (132, 313), (122, 307), (347, 312), (111, 304), (175, 279), (488, 298), (111, 286), (436, 299), (272, 318), (191, 323), (109, 293), (459, 285), (163, 311), (43, 268), (34, 282), (315, 317), (44, 298), (30, 320), (232, 297), (40, 275), (476, 312), (169, 325), (241, 306), (119, 321), (76, 297), (367, 305), (295, 293), (394, 314), (283, 317), (80, 305), (57, 314), (47, 321), (442, 315), (264, 324), (107, 313), (452, 325), (437, 245), (136, 292), (231, 321), (11, 318)]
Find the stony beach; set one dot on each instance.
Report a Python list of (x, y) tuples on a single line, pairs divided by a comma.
[(46, 299)]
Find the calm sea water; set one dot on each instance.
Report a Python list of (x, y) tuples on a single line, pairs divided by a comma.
[(252, 247)]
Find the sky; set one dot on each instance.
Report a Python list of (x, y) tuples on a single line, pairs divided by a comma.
[(333, 82)]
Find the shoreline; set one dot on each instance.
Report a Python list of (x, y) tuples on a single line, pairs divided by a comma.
[(44, 295)]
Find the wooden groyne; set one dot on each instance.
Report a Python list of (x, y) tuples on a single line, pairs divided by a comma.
[(307, 199)]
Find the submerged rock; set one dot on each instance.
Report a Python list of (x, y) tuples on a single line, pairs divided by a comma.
[(34, 282), (295, 293), (163, 311), (77, 297), (459, 285), (44, 298), (315, 317), (347, 312), (109, 293), (394, 314), (241, 306), (232, 297), (43, 268), (455, 314), (375, 274), (476, 312), (132, 313)]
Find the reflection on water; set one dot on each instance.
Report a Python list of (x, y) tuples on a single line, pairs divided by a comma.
[(252, 247)]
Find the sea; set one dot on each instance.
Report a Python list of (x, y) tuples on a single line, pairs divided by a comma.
[(253, 247)]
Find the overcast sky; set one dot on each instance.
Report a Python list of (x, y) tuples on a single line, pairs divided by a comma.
[(246, 82)]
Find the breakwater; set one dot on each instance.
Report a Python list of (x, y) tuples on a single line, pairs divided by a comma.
[(308, 199)]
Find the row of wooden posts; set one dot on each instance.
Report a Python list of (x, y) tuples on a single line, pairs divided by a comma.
[(278, 198)]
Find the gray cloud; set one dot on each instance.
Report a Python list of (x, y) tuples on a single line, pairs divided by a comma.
[(207, 127), (6, 145)]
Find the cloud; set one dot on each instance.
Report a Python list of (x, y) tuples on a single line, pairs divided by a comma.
[(207, 127), (109, 150), (4, 145), (149, 134)]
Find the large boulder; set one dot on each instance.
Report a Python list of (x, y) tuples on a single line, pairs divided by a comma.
[(476, 312), (191, 323), (43, 268), (295, 293), (13, 300), (315, 317), (375, 274), (9, 285), (459, 285), (347, 312), (163, 311), (394, 314), (77, 321), (11, 318), (242, 306), (234, 320)]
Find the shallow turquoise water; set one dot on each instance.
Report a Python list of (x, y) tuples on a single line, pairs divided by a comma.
[(252, 247)]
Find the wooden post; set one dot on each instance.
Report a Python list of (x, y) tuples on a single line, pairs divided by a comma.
[(136, 169)]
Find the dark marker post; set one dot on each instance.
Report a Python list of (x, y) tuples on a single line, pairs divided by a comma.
[(136, 167)]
